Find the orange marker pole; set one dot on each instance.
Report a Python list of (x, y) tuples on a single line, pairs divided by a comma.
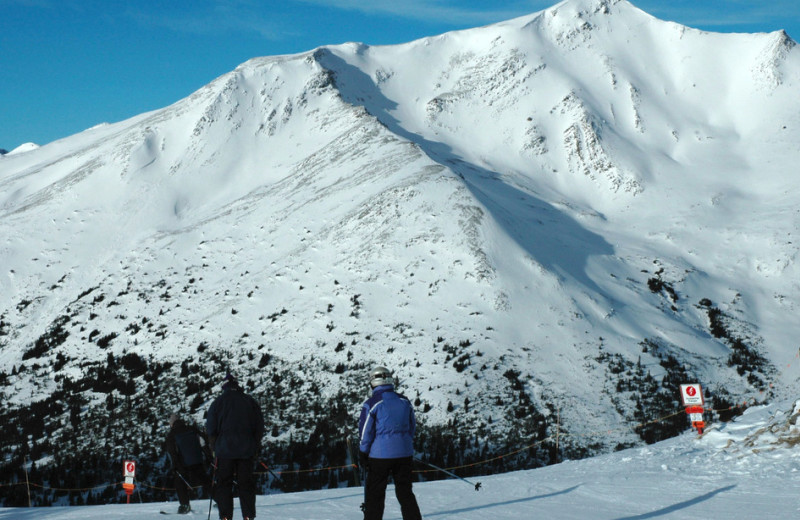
[(696, 416)]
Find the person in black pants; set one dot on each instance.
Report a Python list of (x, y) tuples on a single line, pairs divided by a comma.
[(186, 446), (386, 429), (235, 426)]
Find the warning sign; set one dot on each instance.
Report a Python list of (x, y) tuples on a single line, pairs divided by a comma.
[(129, 472), (692, 395)]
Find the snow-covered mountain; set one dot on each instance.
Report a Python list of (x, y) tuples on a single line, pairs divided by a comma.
[(558, 218)]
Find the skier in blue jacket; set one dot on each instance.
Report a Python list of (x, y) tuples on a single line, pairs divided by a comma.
[(386, 430)]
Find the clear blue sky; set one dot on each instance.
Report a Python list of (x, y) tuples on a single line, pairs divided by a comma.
[(67, 65)]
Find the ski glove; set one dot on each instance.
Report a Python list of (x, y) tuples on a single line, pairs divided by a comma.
[(363, 459)]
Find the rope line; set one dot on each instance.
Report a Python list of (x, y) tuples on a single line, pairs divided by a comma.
[(157, 488), (353, 466), (40, 486), (311, 470), (563, 435)]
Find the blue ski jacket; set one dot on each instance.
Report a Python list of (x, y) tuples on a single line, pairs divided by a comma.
[(387, 425)]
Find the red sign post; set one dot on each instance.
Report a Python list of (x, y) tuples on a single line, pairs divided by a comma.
[(129, 472), (692, 398)]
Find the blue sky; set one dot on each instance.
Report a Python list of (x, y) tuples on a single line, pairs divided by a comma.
[(67, 65)]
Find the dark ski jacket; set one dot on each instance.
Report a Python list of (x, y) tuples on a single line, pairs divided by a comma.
[(235, 425), (387, 425), (186, 445)]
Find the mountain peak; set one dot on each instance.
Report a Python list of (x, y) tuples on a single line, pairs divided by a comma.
[(767, 71), (590, 7), (785, 40), (572, 22), (25, 147)]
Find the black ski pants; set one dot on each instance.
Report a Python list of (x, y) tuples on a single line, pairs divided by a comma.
[(240, 470), (187, 476), (378, 473)]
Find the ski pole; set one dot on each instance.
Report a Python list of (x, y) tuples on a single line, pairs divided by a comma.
[(477, 486), (364, 503), (211, 493), (270, 471), (188, 486), (353, 460)]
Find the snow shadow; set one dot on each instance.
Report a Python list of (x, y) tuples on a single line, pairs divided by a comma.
[(552, 238), (324, 499), (501, 504), (681, 505)]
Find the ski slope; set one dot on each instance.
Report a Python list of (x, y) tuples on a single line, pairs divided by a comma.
[(740, 470)]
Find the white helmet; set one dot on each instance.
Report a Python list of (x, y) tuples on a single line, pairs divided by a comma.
[(380, 376)]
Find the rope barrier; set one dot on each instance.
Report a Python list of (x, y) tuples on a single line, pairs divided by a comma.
[(148, 486), (40, 486), (352, 466), (511, 454), (562, 435), (311, 470)]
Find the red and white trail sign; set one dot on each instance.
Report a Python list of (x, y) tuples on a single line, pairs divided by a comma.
[(692, 395)]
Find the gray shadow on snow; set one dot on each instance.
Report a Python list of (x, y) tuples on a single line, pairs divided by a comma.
[(500, 504), (302, 502), (551, 237), (681, 505)]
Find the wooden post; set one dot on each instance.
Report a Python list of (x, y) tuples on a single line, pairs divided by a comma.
[(27, 483), (353, 461), (558, 429)]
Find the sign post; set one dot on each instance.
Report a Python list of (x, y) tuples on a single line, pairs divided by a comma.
[(129, 472), (692, 398)]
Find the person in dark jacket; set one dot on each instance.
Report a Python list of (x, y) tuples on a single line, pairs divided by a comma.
[(235, 426), (386, 431), (186, 446)]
